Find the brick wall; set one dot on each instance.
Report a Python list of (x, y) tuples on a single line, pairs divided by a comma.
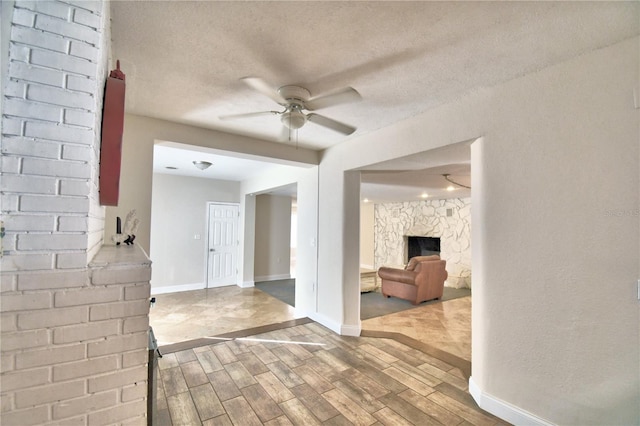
[(74, 313)]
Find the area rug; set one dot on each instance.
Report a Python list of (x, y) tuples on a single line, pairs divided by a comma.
[(372, 304)]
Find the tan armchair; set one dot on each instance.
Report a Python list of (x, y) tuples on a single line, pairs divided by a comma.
[(421, 280)]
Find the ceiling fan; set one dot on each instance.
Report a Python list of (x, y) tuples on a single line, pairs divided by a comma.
[(296, 100)]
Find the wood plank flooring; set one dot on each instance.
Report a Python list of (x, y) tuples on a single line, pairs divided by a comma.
[(304, 374)]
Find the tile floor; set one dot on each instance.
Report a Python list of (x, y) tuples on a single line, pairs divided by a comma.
[(407, 368)]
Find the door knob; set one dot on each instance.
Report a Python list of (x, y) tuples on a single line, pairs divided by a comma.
[(212, 249)]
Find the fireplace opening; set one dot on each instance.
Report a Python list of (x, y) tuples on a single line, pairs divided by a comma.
[(422, 246)]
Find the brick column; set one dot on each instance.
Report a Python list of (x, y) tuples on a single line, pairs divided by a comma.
[(74, 314)]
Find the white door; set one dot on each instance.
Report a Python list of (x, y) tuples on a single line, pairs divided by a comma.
[(222, 245)]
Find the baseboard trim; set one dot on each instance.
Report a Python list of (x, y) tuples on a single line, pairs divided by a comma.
[(176, 288), (272, 277), (502, 409), (351, 330), (247, 284)]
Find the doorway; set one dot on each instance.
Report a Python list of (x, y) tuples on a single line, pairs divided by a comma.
[(222, 244)]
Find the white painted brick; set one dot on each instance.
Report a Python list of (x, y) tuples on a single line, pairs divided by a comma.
[(85, 368), (77, 152), (86, 296), (50, 356), (30, 148), (71, 260), (24, 340), (8, 322), (117, 379), (52, 280), (90, 5), (140, 291), (86, 331), (58, 132), (19, 52), (24, 379), (121, 276), (81, 84), (139, 357), (118, 414), (52, 317), (28, 109), (51, 242), (15, 89), (11, 126), (136, 391), (25, 301), (74, 187), (68, 29), (8, 282), (36, 203), (136, 421), (57, 9), (79, 118), (30, 416), (87, 18), (84, 50), (33, 37), (118, 344), (119, 310), (73, 223), (27, 184), (26, 72), (61, 61), (85, 404), (24, 17), (9, 203), (58, 168), (10, 240), (27, 262), (17, 222), (49, 393), (59, 96), (80, 420), (7, 363), (10, 164), (131, 325)]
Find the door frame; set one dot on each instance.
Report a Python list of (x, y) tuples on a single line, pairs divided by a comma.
[(206, 245)]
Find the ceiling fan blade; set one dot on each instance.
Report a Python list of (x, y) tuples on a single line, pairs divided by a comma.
[(247, 115), (331, 123), (263, 87), (343, 96)]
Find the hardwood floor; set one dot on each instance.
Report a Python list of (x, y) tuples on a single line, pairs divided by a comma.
[(304, 374)]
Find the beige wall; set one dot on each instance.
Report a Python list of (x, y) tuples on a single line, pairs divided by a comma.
[(272, 237), (178, 218)]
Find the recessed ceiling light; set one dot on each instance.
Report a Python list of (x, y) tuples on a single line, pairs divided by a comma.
[(171, 168), (424, 195), (366, 200), (450, 188)]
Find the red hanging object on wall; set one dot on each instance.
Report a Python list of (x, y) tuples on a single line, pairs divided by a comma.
[(111, 145)]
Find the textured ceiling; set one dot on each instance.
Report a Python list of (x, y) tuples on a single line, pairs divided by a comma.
[(184, 60)]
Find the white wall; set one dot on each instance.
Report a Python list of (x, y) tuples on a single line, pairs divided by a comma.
[(178, 215), (140, 134), (367, 238), (555, 315), (272, 238)]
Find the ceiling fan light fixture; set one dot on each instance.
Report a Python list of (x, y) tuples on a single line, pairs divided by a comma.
[(293, 119), (202, 165)]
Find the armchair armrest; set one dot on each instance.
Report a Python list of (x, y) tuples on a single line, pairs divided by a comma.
[(398, 275)]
